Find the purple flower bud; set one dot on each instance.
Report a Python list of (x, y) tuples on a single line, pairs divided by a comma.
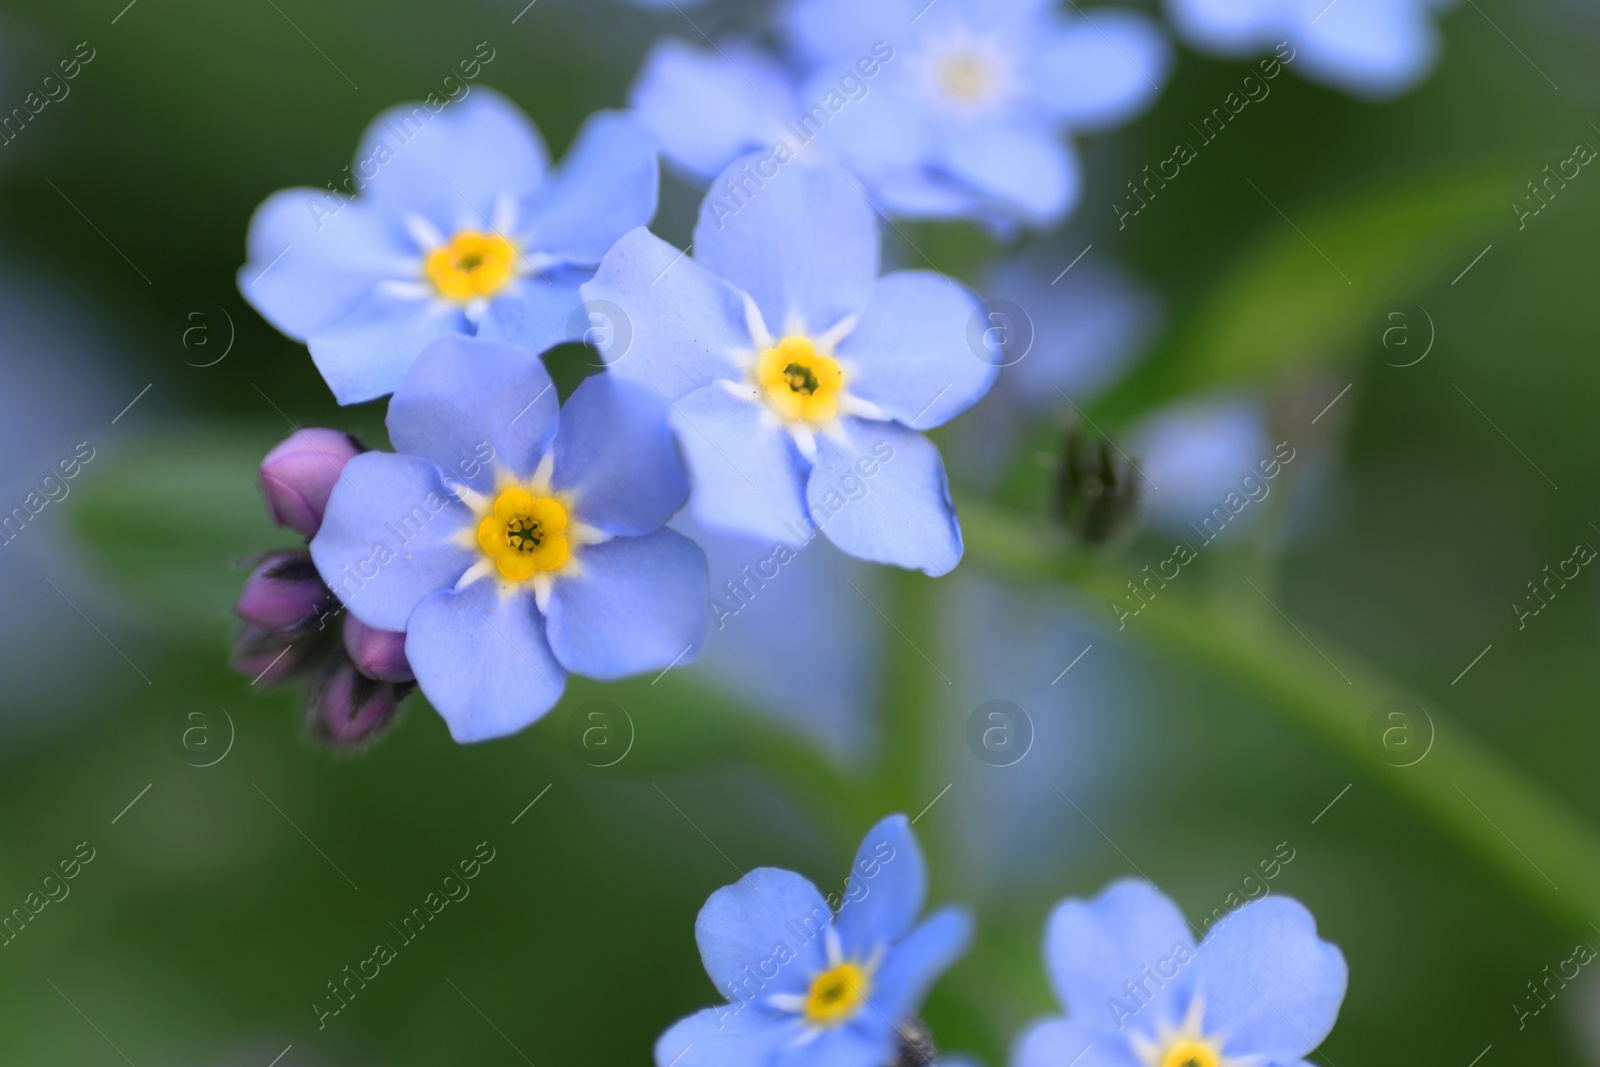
[(349, 709), (298, 475), (283, 592), (266, 657), (379, 654)]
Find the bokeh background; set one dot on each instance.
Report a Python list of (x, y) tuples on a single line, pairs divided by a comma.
[(1227, 724)]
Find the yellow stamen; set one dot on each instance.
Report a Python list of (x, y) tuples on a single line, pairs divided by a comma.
[(967, 77), (525, 534), (471, 265), (836, 995), (799, 382), (1187, 1052)]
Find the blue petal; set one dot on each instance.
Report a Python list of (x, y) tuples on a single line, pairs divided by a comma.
[(1129, 933), (885, 890), (313, 257), (916, 350), (1195, 454), (867, 1041), (482, 661), (803, 243), (451, 166), (878, 491), (390, 537), (826, 30), (743, 924), (728, 1036), (1373, 49), (745, 470), (1098, 70), (473, 406), (538, 311), (617, 456), (913, 965), (606, 185), (672, 324), (699, 102), (634, 604), (1026, 169), (1227, 27), (1057, 1042), (1270, 984), (365, 354)]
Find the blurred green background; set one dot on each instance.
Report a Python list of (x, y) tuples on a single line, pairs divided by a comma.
[(208, 921)]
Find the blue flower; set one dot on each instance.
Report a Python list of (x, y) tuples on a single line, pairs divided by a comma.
[(971, 98), (1372, 48), (458, 229), (513, 542), (814, 981), (1192, 454), (798, 377), (1262, 988)]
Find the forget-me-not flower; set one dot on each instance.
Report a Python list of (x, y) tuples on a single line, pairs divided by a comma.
[(448, 224), (799, 377), (1372, 48), (514, 542), (1262, 988), (830, 982), (1193, 453), (969, 116)]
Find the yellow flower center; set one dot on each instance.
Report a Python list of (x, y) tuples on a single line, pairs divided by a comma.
[(524, 534), (967, 78), (1187, 1052), (800, 382), (472, 264), (836, 994)]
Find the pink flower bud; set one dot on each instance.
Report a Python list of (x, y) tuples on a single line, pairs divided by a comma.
[(265, 657), (349, 709), (298, 475), (379, 654), (283, 592)]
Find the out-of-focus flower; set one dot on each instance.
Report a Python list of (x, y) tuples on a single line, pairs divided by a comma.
[(1371, 48), (798, 378), (458, 229), (514, 542), (1193, 454), (1262, 988), (973, 98), (294, 622), (814, 981)]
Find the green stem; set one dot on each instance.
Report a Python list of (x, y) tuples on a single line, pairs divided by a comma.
[(913, 689), (1495, 811)]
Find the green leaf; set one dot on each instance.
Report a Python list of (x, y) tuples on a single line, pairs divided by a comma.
[(172, 518), (1304, 292)]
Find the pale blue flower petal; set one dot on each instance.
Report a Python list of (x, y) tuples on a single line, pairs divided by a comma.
[(1227, 27), (1023, 168), (912, 350), (605, 186), (1195, 455), (722, 1037), (366, 353), (885, 889), (850, 1045), (633, 604), (452, 165), (828, 30), (1093, 947), (804, 245), (1057, 1042), (740, 925), (617, 457), (314, 256), (483, 661), (1099, 70), (879, 492), (1271, 985), (537, 311), (390, 537), (676, 325), (473, 407), (917, 961), (747, 474)]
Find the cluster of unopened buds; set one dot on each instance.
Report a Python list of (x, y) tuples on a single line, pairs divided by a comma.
[(295, 628)]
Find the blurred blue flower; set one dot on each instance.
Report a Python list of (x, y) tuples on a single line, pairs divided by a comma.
[(458, 229), (798, 377), (1193, 453), (1262, 988), (819, 981), (972, 97), (514, 543), (1371, 48)]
